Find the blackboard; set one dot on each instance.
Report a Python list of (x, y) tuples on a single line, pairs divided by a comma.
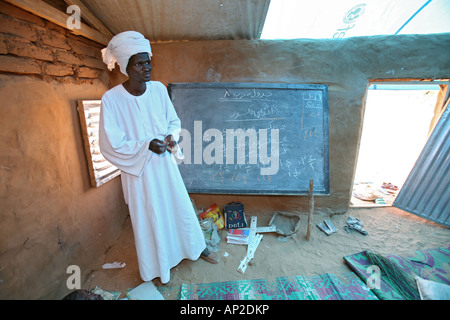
[(253, 138)]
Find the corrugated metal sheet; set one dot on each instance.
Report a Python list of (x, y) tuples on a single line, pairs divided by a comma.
[(177, 20), (426, 191)]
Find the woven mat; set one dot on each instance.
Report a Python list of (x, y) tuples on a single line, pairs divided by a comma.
[(323, 287), (431, 264)]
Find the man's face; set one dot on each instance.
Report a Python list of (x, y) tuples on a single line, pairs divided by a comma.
[(139, 68)]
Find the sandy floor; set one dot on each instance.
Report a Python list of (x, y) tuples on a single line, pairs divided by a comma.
[(391, 230)]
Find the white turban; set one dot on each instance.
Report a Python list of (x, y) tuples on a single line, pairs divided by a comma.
[(122, 46)]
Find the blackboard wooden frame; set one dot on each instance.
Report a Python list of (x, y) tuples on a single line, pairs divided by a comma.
[(191, 108)]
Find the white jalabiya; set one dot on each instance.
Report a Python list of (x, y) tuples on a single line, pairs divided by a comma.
[(165, 225)]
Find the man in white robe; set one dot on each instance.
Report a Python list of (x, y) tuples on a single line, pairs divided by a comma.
[(138, 127)]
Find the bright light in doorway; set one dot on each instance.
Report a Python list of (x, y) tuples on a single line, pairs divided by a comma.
[(292, 19)]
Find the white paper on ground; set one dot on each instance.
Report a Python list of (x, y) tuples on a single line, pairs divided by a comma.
[(145, 291), (114, 265)]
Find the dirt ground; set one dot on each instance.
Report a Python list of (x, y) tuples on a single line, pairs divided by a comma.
[(390, 230)]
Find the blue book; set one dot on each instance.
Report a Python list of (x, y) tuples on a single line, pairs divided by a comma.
[(234, 216)]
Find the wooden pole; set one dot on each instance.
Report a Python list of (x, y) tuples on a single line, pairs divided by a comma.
[(311, 209)]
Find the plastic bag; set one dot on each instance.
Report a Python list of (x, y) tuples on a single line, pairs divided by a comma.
[(214, 213), (212, 237)]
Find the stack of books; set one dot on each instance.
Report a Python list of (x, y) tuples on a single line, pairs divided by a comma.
[(238, 236)]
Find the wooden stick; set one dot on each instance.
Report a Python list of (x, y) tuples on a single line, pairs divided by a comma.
[(311, 209)]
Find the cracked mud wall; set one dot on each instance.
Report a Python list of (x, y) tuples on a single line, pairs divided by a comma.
[(51, 218)]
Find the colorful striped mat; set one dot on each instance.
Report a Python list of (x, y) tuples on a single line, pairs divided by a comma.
[(430, 264), (323, 287)]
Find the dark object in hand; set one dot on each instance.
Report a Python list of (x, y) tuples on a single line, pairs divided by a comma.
[(158, 146)]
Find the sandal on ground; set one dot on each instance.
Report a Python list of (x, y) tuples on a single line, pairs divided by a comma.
[(355, 227), (330, 225), (353, 220), (325, 229), (389, 186), (355, 224)]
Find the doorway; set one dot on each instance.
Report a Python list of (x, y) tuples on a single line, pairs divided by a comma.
[(396, 125)]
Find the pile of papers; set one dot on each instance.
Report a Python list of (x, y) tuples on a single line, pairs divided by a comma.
[(238, 236)]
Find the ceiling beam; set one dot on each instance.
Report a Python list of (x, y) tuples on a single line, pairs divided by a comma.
[(46, 11)]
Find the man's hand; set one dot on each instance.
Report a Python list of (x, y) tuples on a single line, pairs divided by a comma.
[(157, 146), (171, 143)]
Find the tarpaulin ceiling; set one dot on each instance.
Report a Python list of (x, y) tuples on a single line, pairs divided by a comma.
[(175, 20), (190, 20), (290, 19)]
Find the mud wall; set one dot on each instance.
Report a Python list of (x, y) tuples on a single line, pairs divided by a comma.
[(345, 65), (51, 218)]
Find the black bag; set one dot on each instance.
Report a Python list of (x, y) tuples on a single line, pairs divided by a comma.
[(234, 216)]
